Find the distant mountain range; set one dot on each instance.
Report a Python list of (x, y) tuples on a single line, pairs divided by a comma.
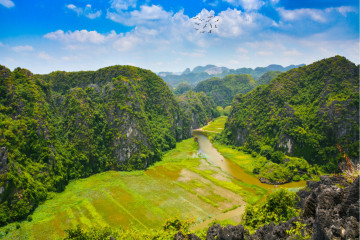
[(200, 73)]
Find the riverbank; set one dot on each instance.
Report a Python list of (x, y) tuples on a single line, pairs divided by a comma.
[(237, 163)]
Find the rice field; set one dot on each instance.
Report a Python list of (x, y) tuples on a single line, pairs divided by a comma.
[(184, 185)]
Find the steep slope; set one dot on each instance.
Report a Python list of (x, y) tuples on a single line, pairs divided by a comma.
[(182, 88), (224, 90), (199, 109), (61, 126), (27, 144), (304, 112), (267, 77)]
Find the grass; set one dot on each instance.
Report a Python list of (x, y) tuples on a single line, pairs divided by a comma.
[(246, 161), (230, 209), (216, 126)]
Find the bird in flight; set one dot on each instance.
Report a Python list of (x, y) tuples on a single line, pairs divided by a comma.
[(205, 24)]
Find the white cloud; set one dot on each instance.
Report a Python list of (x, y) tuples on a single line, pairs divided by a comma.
[(75, 9), (267, 44), (86, 11), (70, 58), (265, 53), (94, 15), (146, 15), (120, 5), (241, 50), (197, 53), (317, 15), (43, 55), (153, 12), (243, 39), (297, 14), (247, 4), (7, 3), (82, 36), (126, 43), (9, 60), (24, 48), (344, 10), (213, 3), (292, 52), (235, 23)]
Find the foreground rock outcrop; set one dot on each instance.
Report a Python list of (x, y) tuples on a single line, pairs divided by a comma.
[(329, 208)]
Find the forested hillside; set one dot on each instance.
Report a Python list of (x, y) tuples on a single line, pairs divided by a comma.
[(199, 109), (267, 77), (61, 126), (223, 91), (307, 112), (182, 88)]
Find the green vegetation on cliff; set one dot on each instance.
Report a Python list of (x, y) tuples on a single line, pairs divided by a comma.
[(182, 88), (198, 108), (267, 77), (304, 112), (224, 90), (62, 126)]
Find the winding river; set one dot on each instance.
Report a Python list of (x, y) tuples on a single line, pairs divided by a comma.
[(214, 157)]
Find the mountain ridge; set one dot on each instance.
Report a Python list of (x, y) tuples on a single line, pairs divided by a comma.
[(200, 73)]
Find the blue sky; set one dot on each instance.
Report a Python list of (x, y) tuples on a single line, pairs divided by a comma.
[(161, 35)]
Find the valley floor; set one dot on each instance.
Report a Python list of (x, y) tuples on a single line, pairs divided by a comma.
[(184, 184)]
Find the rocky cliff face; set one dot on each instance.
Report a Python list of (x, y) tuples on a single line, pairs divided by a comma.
[(198, 109), (329, 212)]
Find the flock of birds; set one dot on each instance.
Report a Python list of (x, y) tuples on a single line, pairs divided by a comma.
[(207, 24)]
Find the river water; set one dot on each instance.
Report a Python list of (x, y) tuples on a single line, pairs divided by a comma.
[(214, 157)]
